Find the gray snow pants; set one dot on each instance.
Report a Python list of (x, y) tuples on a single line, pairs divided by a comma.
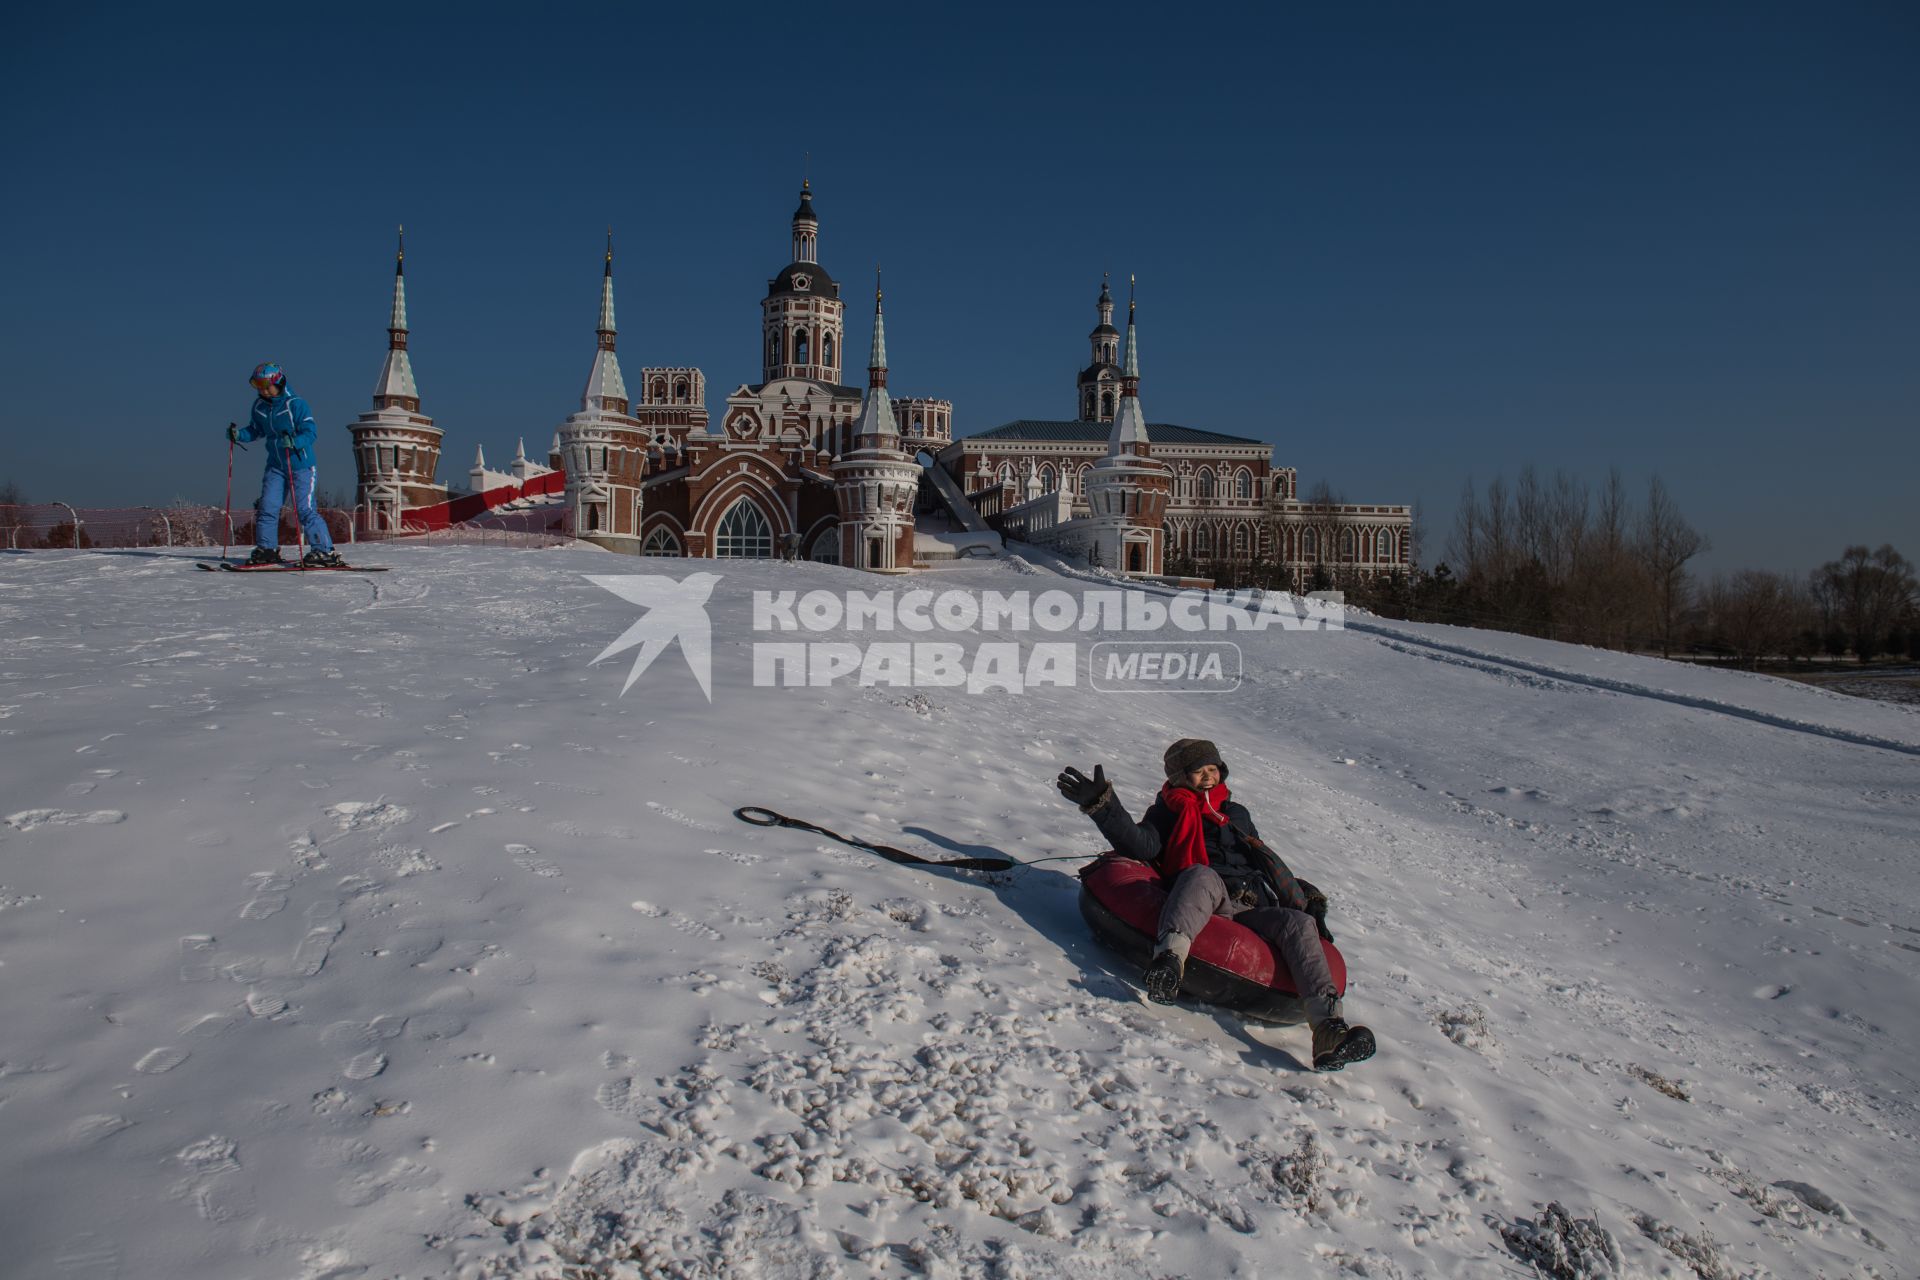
[(1200, 893)]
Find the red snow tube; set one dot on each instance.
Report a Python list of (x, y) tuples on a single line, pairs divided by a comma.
[(1231, 966)]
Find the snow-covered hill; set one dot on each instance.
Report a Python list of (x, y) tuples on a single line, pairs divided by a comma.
[(357, 926)]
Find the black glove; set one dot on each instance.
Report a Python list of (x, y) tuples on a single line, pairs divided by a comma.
[(1317, 908), (1088, 793), (233, 434)]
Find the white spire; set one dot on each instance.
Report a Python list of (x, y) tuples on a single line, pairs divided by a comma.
[(606, 386), (1129, 434), (396, 387), (520, 453), (479, 458)]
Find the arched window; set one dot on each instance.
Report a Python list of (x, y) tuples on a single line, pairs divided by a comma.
[(1088, 411), (1243, 484), (1206, 484), (1106, 404), (1383, 548), (1240, 542), (773, 347), (1309, 545), (826, 350), (826, 547), (659, 390), (660, 542), (1203, 541), (801, 348), (1049, 481), (680, 392), (1080, 478), (744, 533), (1346, 544)]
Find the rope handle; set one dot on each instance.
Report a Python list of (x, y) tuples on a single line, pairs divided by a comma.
[(761, 816)]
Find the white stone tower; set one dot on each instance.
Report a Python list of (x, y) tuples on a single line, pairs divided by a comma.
[(602, 448), (875, 481), (1127, 491), (396, 448), (802, 326)]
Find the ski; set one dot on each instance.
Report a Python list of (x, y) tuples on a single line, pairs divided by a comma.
[(290, 568)]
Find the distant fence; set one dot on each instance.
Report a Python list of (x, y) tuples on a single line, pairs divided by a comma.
[(32, 525), (43, 525)]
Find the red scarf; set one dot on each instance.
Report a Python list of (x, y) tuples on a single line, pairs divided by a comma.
[(1186, 845)]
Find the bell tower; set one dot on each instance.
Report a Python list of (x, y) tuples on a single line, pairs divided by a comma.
[(1099, 383), (802, 322)]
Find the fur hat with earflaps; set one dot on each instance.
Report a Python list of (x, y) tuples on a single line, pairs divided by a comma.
[(1188, 754)]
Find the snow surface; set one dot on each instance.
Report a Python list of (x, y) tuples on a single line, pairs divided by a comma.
[(355, 927)]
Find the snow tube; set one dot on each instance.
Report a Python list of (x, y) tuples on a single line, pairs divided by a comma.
[(1231, 966)]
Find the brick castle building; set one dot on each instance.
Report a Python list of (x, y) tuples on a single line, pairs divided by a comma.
[(803, 464)]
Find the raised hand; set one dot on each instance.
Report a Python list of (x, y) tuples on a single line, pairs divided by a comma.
[(1082, 790)]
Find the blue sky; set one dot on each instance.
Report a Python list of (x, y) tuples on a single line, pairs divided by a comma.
[(1405, 243)]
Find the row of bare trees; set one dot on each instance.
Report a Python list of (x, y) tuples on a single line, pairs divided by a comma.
[(1554, 557), (1864, 603)]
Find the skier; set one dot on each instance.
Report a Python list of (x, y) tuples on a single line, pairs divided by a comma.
[(286, 423), (1212, 863)]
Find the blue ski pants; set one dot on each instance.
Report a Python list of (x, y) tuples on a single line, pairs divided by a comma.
[(273, 496)]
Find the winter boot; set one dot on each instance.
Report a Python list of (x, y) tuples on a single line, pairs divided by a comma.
[(318, 559), (263, 556), (1335, 1044), (1168, 966)]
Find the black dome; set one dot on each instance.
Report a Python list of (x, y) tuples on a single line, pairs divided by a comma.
[(819, 283)]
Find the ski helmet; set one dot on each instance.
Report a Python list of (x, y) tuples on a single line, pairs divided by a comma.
[(267, 375)]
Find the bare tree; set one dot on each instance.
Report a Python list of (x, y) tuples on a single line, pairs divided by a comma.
[(1666, 543), (1867, 594), (1323, 494), (1755, 613), (1463, 548)]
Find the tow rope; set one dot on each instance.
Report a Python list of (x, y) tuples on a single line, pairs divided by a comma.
[(761, 817)]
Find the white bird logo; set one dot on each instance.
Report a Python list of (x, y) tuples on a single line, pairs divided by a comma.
[(675, 610)]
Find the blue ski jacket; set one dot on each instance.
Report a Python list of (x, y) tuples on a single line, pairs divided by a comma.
[(286, 423)]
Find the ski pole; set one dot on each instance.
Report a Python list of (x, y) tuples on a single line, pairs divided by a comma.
[(227, 538), (300, 531)]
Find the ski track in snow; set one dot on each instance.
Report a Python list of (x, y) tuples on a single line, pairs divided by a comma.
[(401, 948)]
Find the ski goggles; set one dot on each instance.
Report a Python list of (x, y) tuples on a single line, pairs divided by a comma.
[(266, 386)]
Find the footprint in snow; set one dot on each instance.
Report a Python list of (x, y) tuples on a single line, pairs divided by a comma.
[(89, 1257), (157, 1062), (361, 1189), (692, 928), (527, 858), (674, 815), (89, 1130), (263, 906), (311, 955), (365, 1066), (33, 819), (196, 958)]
